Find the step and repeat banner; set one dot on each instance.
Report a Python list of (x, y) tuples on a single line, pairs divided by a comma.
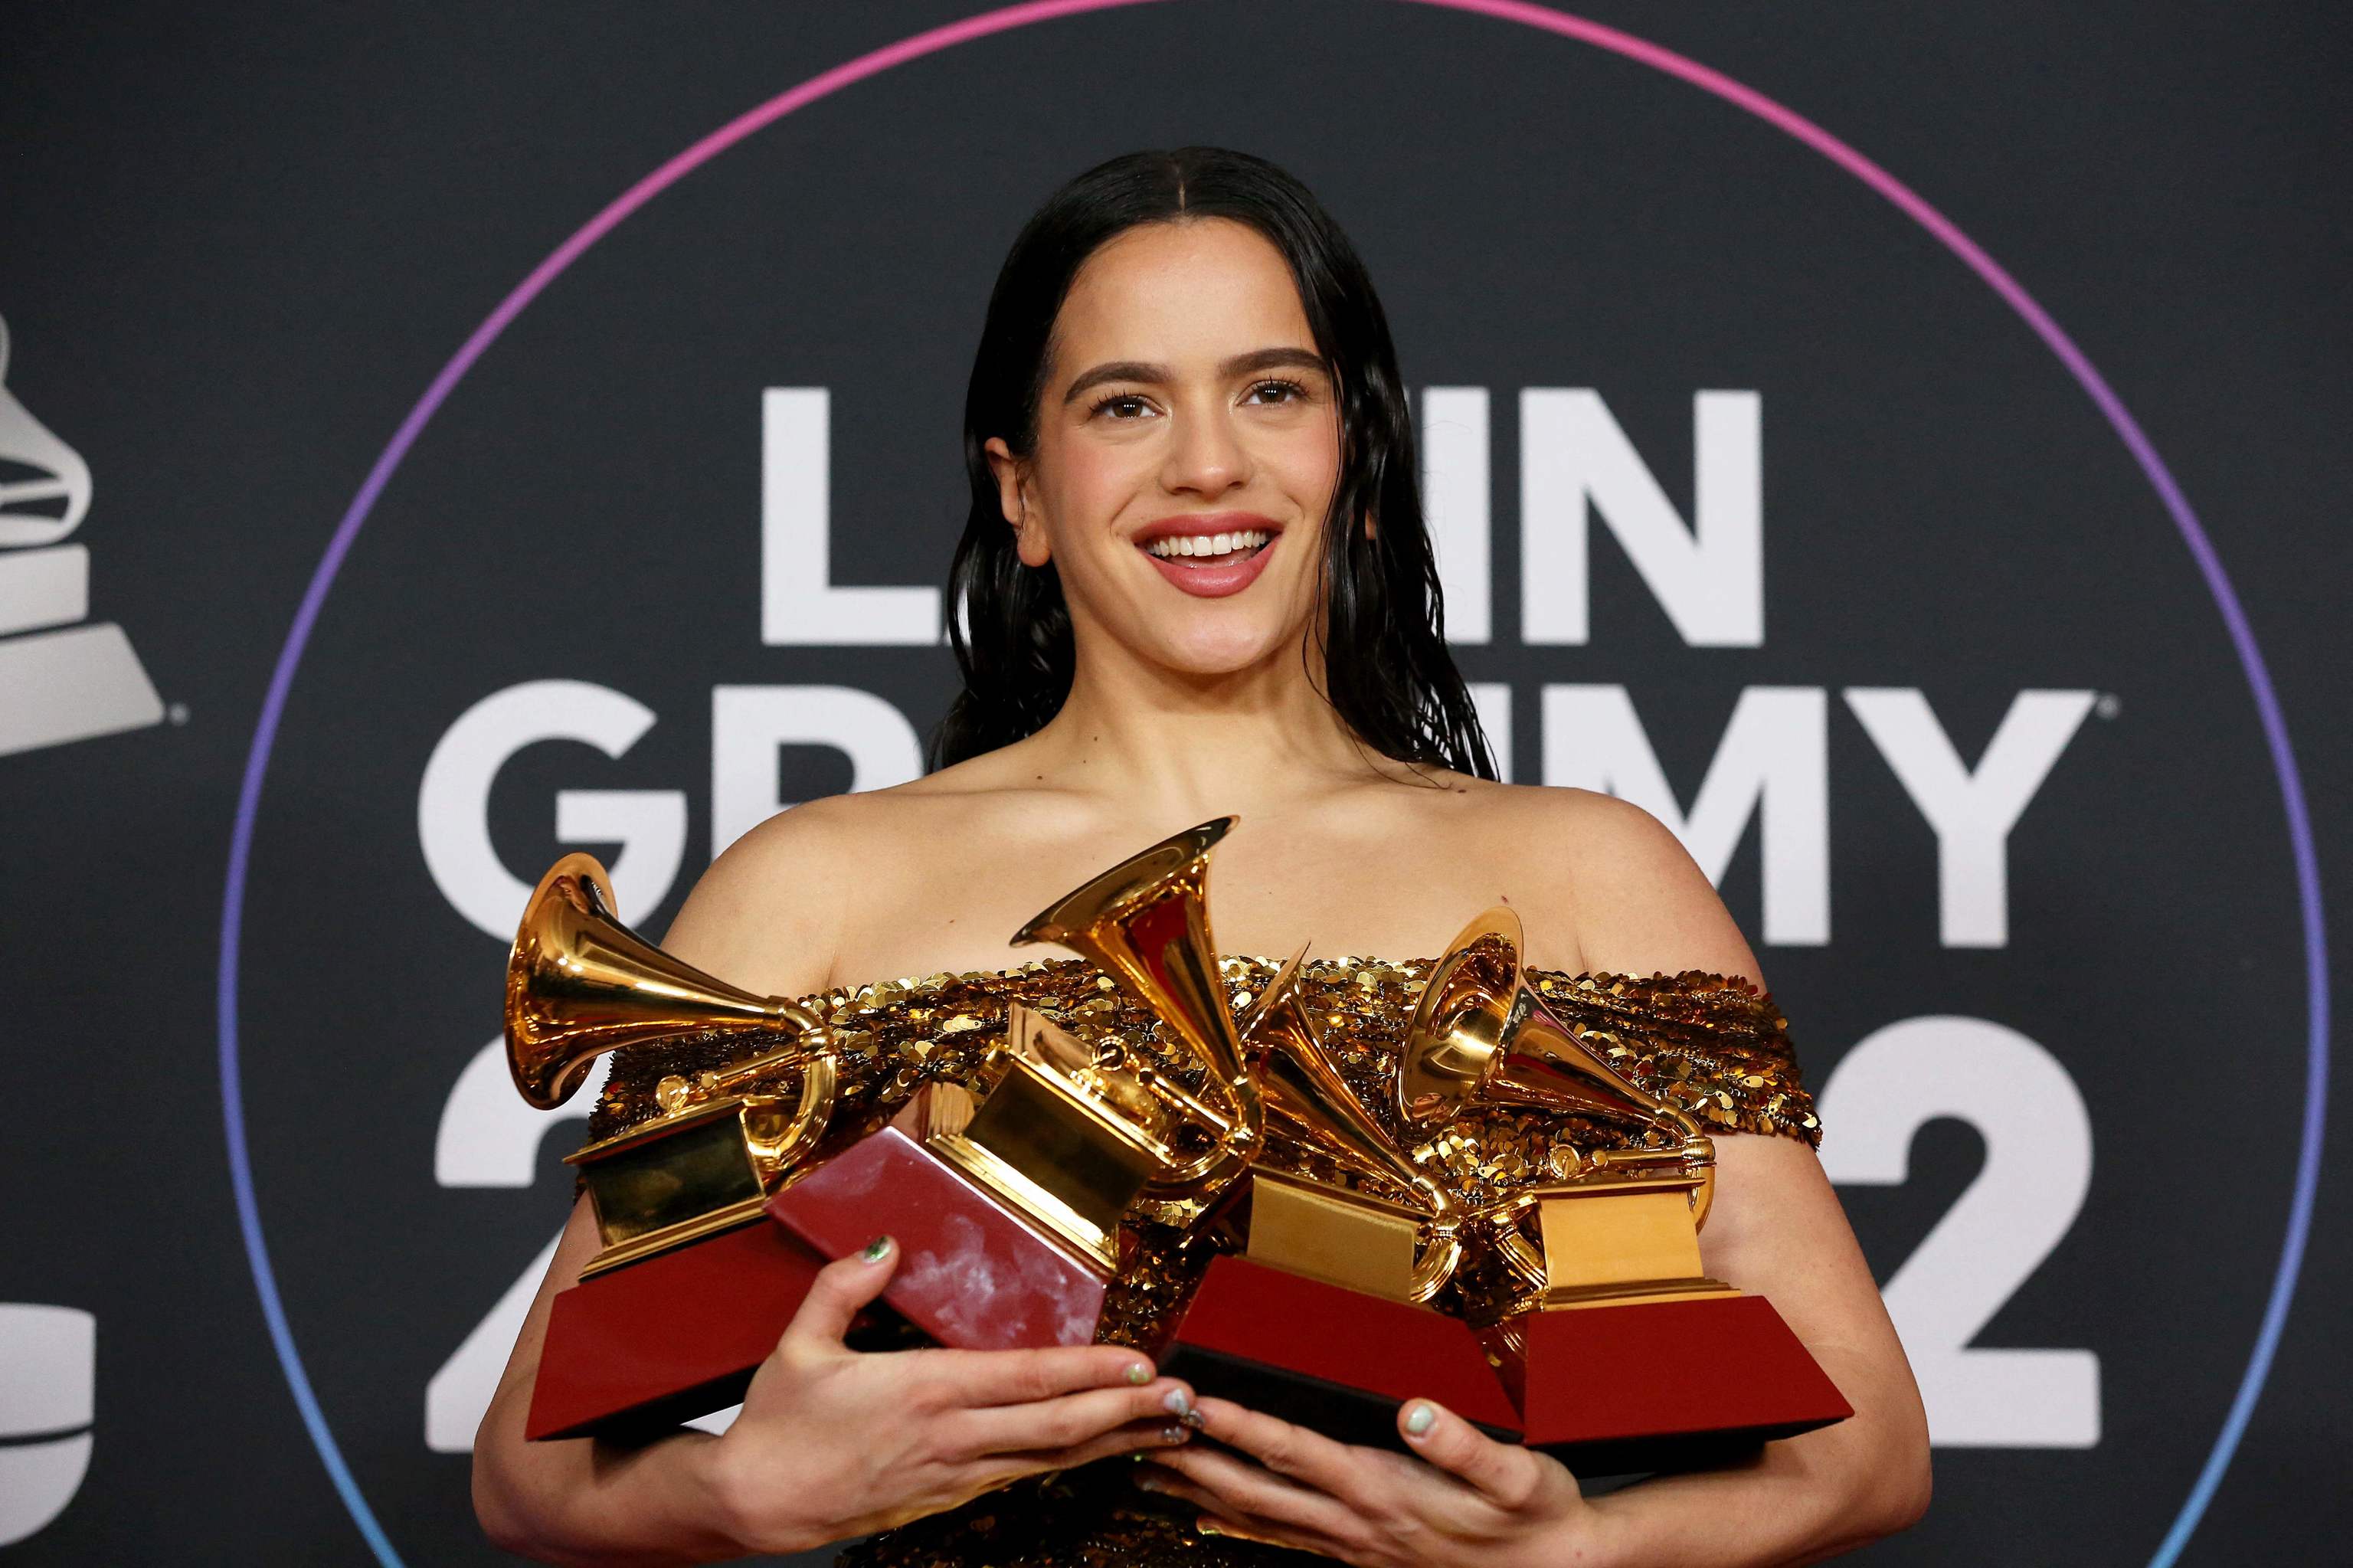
[(431, 444)]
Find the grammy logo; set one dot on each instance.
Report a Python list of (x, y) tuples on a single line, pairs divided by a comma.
[(60, 680)]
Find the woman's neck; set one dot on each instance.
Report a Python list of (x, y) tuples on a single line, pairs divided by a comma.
[(1172, 744)]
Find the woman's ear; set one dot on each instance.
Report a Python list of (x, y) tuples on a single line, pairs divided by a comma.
[(1013, 501)]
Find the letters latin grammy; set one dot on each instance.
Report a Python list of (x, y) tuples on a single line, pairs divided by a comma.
[(1493, 1212)]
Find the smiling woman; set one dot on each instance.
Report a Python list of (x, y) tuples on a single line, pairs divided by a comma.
[(1195, 581), (1208, 332)]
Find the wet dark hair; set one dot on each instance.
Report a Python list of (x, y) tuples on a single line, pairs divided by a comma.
[(1394, 682)]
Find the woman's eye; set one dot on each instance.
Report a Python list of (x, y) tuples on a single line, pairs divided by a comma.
[(1279, 391), (1122, 407)]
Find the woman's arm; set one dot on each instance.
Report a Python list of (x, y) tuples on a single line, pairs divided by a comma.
[(1776, 1230), (578, 1500)]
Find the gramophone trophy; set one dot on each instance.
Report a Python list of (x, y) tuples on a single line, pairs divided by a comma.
[(1614, 1353), (1321, 1318), (690, 1292), (1007, 1203), (1006, 1210)]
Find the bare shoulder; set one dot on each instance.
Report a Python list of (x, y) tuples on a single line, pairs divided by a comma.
[(771, 911), (1625, 884), (763, 916)]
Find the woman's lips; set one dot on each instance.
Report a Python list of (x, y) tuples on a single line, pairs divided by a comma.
[(1228, 574)]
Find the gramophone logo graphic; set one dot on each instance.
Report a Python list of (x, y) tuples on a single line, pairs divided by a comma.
[(60, 680)]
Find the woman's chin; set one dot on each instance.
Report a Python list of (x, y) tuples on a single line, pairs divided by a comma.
[(1206, 640), (1222, 655)]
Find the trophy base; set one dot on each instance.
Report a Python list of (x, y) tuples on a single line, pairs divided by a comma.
[(972, 1273), (1632, 1387), (635, 1351), (1328, 1358)]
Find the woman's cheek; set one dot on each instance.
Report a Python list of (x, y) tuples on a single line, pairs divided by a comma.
[(1309, 462), (1312, 476), (1096, 484)]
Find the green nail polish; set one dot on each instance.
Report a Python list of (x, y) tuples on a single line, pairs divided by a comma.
[(1420, 1420), (1139, 1374), (876, 1250)]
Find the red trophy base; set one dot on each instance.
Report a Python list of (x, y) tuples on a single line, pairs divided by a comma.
[(972, 1273), (635, 1351), (1653, 1385), (1331, 1358)]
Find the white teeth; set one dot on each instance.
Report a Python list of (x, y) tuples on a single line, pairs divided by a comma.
[(1175, 544)]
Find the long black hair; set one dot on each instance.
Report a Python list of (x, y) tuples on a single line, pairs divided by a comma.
[(1393, 685)]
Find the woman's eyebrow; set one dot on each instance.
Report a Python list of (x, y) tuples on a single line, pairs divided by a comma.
[(1116, 370), (1271, 359), (1258, 359)]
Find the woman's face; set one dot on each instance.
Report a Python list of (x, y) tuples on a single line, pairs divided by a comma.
[(1189, 442)]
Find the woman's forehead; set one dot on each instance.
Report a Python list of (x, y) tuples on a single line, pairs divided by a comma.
[(1187, 295)]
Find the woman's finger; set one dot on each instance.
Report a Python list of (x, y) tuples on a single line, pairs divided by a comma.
[(841, 1291), (1237, 1486), (1071, 1420), (1219, 1518), (1504, 1473), (1024, 1377), (1137, 1436), (1305, 1457), (1212, 1523)]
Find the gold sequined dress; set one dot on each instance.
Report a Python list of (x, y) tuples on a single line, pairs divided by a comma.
[(1714, 1047)]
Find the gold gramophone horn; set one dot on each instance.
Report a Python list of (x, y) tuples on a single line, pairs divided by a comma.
[(1146, 923), (1482, 1033), (1307, 1098), (580, 983)]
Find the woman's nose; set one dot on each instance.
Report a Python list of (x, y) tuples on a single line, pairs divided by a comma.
[(1206, 456)]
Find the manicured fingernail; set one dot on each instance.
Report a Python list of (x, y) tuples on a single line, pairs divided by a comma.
[(1203, 1527), (1193, 1418), (1146, 1481), (876, 1250), (1421, 1419), (1174, 1434), (1174, 1403), (1139, 1374)]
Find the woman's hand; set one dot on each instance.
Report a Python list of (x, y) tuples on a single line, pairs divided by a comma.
[(1457, 1498), (833, 1442)]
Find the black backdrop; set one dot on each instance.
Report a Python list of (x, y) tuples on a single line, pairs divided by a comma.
[(2065, 1057)]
